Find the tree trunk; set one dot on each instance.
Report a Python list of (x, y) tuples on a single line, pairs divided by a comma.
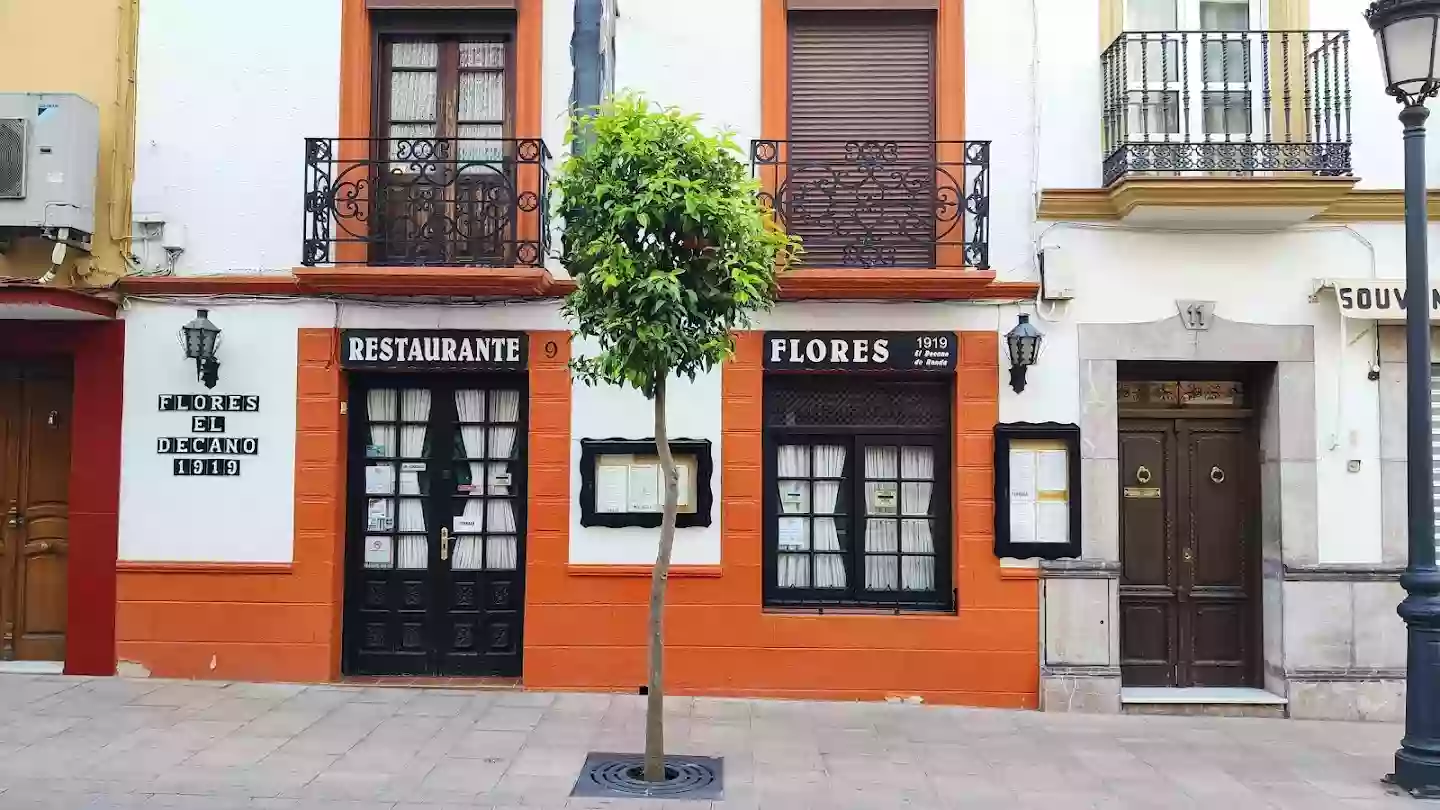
[(659, 578)]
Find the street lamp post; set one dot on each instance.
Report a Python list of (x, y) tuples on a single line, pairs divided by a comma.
[(1408, 33)]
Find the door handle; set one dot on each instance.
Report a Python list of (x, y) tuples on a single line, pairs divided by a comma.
[(1143, 474), (444, 543), (1188, 555), (1217, 475)]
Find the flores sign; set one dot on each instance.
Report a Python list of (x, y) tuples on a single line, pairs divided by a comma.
[(860, 351), (1378, 299), (432, 350)]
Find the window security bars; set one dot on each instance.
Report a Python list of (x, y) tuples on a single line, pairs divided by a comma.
[(426, 201), (1226, 102), (880, 203)]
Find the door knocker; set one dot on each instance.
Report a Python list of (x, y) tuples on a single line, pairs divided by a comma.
[(1217, 475), (1143, 474)]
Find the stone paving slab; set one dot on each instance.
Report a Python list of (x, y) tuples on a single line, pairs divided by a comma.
[(115, 744)]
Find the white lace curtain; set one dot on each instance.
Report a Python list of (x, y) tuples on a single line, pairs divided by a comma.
[(470, 407), (885, 537), (495, 516), (916, 535), (414, 548), (819, 497)]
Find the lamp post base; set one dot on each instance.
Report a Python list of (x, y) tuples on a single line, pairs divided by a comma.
[(1417, 763)]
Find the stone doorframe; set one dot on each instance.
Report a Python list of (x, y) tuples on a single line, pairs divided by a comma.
[(1080, 637)]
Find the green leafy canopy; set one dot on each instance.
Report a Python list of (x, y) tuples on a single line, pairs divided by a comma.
[(668, 241)]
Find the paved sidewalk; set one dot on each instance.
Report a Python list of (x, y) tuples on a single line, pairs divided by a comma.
[(70, 743)]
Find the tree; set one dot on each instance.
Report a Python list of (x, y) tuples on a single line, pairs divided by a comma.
[(671, 249)]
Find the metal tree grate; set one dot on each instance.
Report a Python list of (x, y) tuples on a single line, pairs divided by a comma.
[(12, 158), (620, 775)]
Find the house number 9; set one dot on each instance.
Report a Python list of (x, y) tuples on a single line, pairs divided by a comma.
[(551, 349)]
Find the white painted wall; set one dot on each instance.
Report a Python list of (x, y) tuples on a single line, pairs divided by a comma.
[(701, 56), (226, 97), (249, 518), (692, 412), (1126, 276)]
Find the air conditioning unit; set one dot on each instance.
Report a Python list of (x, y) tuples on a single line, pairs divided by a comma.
[(49, 148)]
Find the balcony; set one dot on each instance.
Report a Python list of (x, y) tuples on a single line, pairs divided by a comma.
[(426, 202), (1223, 127), (881, 205)]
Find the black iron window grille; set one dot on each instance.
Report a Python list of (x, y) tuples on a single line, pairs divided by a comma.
[(879, 203), (426, 201), (857, 504), (1226, 102)]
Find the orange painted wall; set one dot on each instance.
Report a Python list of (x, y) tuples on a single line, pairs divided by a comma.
[(261, 622), (587, 632)]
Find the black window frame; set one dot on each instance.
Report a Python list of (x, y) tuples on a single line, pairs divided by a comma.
[(943, 598), (592, 449), (1069, 434)]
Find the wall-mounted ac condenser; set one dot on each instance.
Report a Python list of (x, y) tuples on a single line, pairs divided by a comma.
[(49, 150)]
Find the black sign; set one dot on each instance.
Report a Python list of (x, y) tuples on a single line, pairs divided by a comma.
[(212, 445), (234, 403), (211, 442), (220, 467), (860, 351), (432, 350)]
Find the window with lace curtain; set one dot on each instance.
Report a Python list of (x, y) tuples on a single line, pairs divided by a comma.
[(444, 91), (857, 484)]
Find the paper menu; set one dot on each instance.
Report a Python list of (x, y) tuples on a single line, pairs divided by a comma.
[(377, 552), (1022, 475), (380, 479), (644, 488), (378, 518), (794, 534), (612, 488), (1052, 524), (1022, 522), (1052, 471), (682, 485)]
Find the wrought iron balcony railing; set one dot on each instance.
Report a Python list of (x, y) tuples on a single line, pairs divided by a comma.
[(426, 201), (1227, 102), (880, 203)]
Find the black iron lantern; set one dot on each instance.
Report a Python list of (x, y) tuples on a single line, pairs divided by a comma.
[(1408, 32), (1023, 343), (202, 340)]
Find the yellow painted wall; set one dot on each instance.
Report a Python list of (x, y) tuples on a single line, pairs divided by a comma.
[(85, 47)]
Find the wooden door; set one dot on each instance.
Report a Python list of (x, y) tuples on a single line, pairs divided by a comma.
[(34, 496), (435, 560), (1188, 553)]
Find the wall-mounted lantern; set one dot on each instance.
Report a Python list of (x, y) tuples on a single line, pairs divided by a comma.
[(201, 339), (1023, 345)]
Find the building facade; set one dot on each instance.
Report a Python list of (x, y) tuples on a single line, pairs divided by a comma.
[(392, 473), (66, 135)]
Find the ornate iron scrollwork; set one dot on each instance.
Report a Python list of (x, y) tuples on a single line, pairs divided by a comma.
[(879, 203), (426, 201)]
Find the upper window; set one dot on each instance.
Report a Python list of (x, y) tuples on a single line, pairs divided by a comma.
[(447, 192), (1191, 15), (856, 482), (447, 87), (861, 155)]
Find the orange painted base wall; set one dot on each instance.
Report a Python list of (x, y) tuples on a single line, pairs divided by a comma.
[(587, 632)]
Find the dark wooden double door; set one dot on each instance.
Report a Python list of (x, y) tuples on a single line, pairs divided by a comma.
[(1188, 553), (34, 509), (436, 546)]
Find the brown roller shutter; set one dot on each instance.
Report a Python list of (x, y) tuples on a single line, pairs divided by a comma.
[(859, 80)]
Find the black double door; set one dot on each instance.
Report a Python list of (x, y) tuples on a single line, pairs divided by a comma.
[(435, 558)]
